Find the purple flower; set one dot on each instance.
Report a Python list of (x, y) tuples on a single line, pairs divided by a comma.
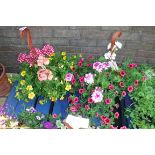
[(49, 125)]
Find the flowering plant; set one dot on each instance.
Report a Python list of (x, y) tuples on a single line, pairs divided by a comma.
[(44, 73), (34, 119)]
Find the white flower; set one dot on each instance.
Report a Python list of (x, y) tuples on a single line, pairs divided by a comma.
[(110, 56), (117, 43), (113, 65), (42, 116), (89, 78), (22, 28), (38, 118)]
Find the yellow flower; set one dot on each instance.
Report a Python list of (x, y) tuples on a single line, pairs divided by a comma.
[(68, 87), (31, 95), (52, 54), (41, 101), (29, 87), (22, 82), (10, 81), (63, 53), (53, 99), (23, 73), (17, 94), (64, 58), (61, 98)]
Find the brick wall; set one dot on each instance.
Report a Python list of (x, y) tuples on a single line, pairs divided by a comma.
[(138, 42)]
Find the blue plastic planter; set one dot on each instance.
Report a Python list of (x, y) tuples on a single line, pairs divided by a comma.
[(14, 106)]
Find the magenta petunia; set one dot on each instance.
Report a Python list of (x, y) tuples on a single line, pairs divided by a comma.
[(122, 73), (81, 91), (76, 99), (116, 115), (121, 84), (123, 93), (130, 89), (54, 115), (87, 107), (107, 101)]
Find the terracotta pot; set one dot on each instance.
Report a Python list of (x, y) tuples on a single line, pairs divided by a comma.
[(4, 83)]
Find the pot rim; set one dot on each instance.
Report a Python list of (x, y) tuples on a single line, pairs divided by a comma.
[(3, 70)]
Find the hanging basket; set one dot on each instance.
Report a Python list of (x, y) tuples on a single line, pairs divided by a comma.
[(4, 83)]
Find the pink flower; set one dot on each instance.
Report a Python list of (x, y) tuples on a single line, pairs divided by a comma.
[(69, 77), (97, 95), (122, 73), (96, 114), (73, 81), (112, 127), (121, 84), (87, 107), (81, 91), (107, 120), (103, 117), (136, 82), (76, 99), (123, 127), (44, 74), (80, 63), (81, 79), (123, 93), (89, 78), (42, 60), (116, 115), (47, 50), (107, 101), (73, 109), (111, 87), (90, 100), (130, 89), (132, 65), (54, 115), (89, 65)]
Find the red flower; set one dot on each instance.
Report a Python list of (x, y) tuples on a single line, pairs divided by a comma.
[(54, 115), (76, 99), (81, 91), (111, 87), (89, 57), (81, 79), (106, 120), (73, 81), (87, 107), (103, 117), (116, 115), (90, 100), (123, 93), (130, 89), (136, 82), (73, 109), (123, 127), (133, 65), (122, 73), (107, 101), (121, 84), (69, 99), (80, 63), (89, 65)]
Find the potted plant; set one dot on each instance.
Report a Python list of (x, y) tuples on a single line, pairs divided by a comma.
[(4, 83)]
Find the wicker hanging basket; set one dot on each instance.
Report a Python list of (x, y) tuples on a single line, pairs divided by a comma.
[(4, 83)]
